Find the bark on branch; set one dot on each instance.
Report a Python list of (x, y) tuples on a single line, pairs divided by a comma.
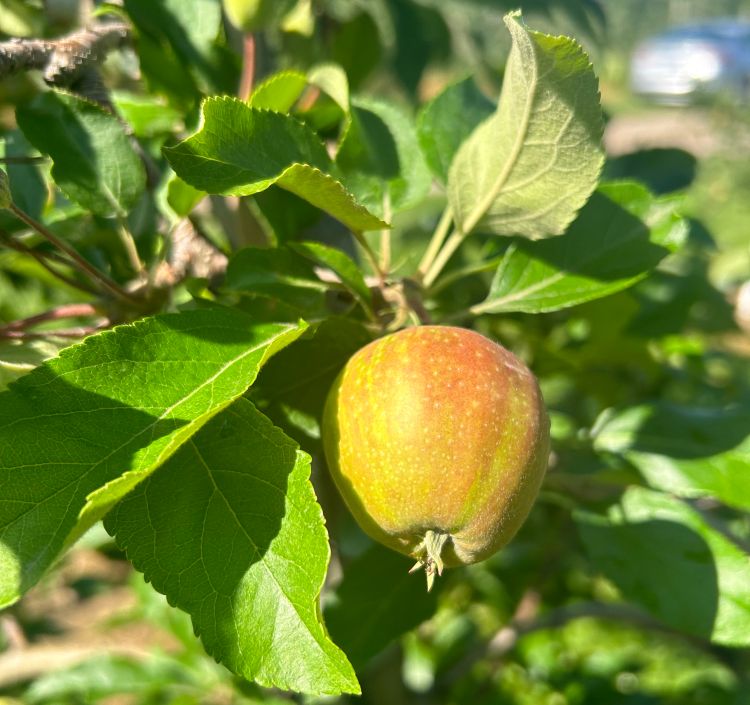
[(65, 60)]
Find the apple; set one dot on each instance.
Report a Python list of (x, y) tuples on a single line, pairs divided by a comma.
[(438, 440), (255, 15)]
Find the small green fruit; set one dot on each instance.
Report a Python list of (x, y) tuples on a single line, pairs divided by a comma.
[(254, 15), (438, 440)]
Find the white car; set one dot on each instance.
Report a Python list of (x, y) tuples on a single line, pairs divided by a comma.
[(688, 62)]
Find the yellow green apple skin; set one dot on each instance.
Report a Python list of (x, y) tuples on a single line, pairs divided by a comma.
[(254, 15), (437, 435)]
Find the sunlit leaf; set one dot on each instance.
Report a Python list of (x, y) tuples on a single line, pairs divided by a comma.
[(82, 430), (530, 167), (241, 546)]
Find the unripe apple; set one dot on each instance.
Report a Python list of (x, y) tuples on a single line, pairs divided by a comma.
[(438, 440), (254, 15)]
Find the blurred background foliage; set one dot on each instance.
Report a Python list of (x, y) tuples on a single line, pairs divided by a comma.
[(544, 621)]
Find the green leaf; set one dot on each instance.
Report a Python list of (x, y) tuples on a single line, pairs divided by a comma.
[(18, 358), (619, 235), (285, 216), (530, 167), (94, 163), (664, 556), (79, 432), (332, 80), (448, 120), (229, 530), (19, 19), (356, 45), (377, 601), (241, 150), (149, 116), (279, 273), (686, 450), (294, 385), (279, 92), (340, 263), (330, 112), (182, 197), (256, 15), (185, 30), (111, 675), (26, 184), (380, 158)]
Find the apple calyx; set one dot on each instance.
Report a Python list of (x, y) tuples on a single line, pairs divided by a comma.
[(428, 555)]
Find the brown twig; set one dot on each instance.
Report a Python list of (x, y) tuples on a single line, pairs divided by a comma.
[(248, 67), (189, 255), (308, 98), (43, 259), (60, 313), (13, 632), (67, 59), (23, 160), (109, 284), (78, 332), (370, 256)]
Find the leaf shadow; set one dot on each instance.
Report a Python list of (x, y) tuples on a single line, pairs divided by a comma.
[(216, 482), (201, 530), (58, 444), (229, 326)]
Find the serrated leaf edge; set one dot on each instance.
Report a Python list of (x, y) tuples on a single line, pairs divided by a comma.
[(265, 682), (178, 440), (480, 210)]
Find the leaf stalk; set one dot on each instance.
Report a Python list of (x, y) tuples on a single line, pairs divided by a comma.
[(436, 242), (451, 245), (370, 255)]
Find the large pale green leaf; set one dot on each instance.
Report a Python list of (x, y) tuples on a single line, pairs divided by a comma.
[(447, 120), (241, 150), (529, 168), (686, 450), (619, 235), (377, 601), (82, 430), (94, 163), (380, 157), (666, 557), (241, 546)]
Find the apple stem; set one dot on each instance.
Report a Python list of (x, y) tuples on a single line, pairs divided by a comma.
[(429, 551)]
